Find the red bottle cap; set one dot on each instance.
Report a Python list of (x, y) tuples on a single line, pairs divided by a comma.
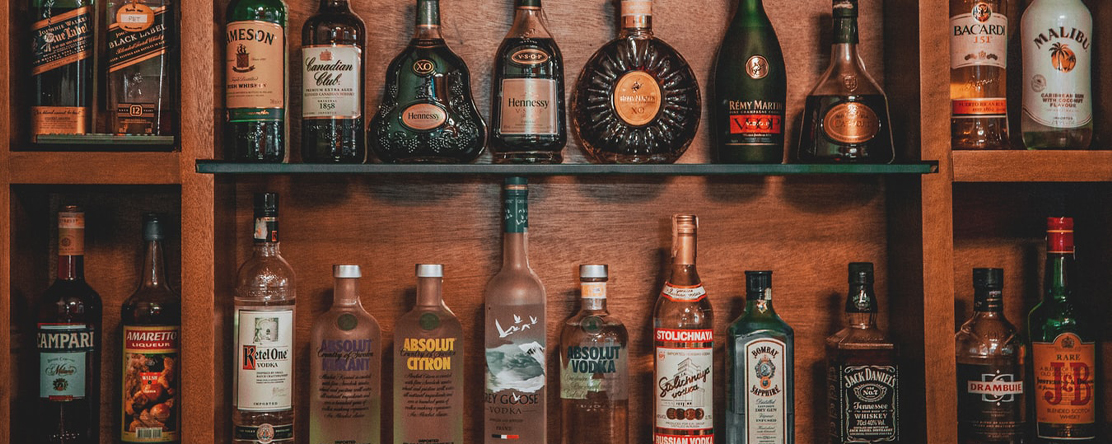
[(1059, 235)]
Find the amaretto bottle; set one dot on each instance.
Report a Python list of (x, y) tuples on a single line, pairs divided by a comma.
[(1057, 41)]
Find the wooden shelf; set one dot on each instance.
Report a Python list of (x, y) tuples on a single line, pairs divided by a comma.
[(1032, 166), (95, 168)]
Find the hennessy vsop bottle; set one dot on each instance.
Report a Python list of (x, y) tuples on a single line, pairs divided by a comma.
[(978, 77), (514, 317), (142, 41), (62, 66), (1063, 349), (683, 331), (332, 43), (255, 81), (750, 87), (1057, 41), (527, 123)]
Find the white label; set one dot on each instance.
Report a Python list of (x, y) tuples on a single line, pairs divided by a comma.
[(529, 107), (264, 360), (684, 293), (330, 86), (766, 413), (63, 350), (979, 38), (1057, 90), (683, 387)]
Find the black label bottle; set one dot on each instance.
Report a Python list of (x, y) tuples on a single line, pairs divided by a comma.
[(142, 40), (255, 81), (61, 66), (332, 43)]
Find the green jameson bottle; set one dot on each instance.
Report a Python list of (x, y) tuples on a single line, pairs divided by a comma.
[(255, 81)]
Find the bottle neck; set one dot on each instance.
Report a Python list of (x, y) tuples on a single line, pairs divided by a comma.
[(334, 5), (529, 21), (345, 292), (593, 296), (429, 291), (750, 13), (683, 260), (267, 249), (154, 266), (1057, 275), (861, 306), (428, 20), (637, 18), (515, 254), (71, 268), (988, 301), (759, 302), (845, 30)]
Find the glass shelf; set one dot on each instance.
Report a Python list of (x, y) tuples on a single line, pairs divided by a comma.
[(106, 140), (682, 169)]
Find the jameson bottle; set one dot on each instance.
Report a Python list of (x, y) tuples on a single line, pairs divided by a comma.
[(428, 367), (427, 114), (594, 368), (67, 318), (863, 389), (345, 372), (61, 66), (527, 114), (142, 41), (683, 331), (332, 42), (990, 357), (846, 116), (760, 369), (978, 78), (262, 372), (151, 318), (1057, 41), (750, 87), (255, 81), (1063, 348), (514, 306)]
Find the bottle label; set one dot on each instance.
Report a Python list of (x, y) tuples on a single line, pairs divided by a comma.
[(683, 293), (529, 57), (636, 8), (264, 434), (851, 122), (515, 209), (424, 116), (979, 38), (529, 106), (61, 40), (264, 360), (990, 402), (348, 375), (869, 403), (255, 60), (592, 290), (684, 387), (637, 96), (266, 229), (71, 234), (151, 398), (1064, 388), (762, 376), (515, 372), (137, 35), (330, 83), (1057, 83), (981, 107), (596, 368), (63, 353), (755, 122), (428, 368), (59, 120)]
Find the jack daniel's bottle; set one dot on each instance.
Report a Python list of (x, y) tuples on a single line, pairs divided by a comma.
[(255, 81), (62, 66)]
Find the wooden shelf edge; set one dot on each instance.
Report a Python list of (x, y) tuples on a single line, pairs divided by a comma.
[(99, 168), (1032, 166)]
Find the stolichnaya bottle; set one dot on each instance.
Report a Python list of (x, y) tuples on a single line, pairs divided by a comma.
[(978, 74), (255, 81), (527, 123), (846, 116), (683, 333), (750, 87), (514, 308), (594, 368), (427, 112), (1057, 41), (62, 66), (428, 367), (332, 85)]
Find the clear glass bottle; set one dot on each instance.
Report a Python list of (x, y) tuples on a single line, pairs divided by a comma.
[(978, 74), (332, 71), (1057, 41), (594, 368)]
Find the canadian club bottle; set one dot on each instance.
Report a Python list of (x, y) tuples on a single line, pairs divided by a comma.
[(263, 372), (68, 317), (332, 85), (1057, 41), (142, 41), (683, 331), (760, 370), (990, 356), (61, 66), (345, 374), (514, 307), (428, 367), (978, 78), (151, 318), (750, 86), (255, 81), (594, 368), (863, 376), (846, 116), (1063, 349)]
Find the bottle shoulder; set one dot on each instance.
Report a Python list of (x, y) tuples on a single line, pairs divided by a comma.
[(345, 29), (274, 11), (760, 324), (69, 301), (860, 338)]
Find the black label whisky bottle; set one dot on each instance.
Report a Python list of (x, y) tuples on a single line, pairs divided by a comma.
[(255, 81), (142, 42)]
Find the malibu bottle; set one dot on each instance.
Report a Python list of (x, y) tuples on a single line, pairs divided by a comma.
[(1057, 41)]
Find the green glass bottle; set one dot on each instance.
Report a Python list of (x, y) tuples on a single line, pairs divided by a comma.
[(427, 113), (255, 81), (750, 86)]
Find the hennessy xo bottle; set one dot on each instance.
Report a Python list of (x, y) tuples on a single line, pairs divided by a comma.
[(978, 58)]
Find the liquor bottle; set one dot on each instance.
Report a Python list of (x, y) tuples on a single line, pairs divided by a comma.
[(594, 368), (428, 367), (1057, 40), (750, 87), (142, 40), (427, 112), (151, 318), (636, 100), (846, 115), (760, 370), (1063, 349), (514, 307), (683, 331), (862, 371), (990, 357), (62, 66), (332, 85), (68, 317), (978, 77), (345, 373), (527, 114), (262, 376), (255, 80)]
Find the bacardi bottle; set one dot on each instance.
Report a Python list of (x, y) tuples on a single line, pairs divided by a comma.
[(1057, 41), (978, 78)]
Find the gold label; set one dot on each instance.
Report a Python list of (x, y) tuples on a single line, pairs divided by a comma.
[(851, 122), (637, 98), (529, 107), (757, 67), (62, 40), (71, 234), (58, 120), (134, 17), (637, 7), (424, 116), (424, 67), (255, 57), (529, 56)]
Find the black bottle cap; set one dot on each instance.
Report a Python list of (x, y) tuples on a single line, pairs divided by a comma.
[(152, 227), (845, 8), (988, 278), (861, 273), (266, 204), (757, 281)]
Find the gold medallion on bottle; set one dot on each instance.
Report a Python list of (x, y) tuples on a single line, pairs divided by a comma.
[(851, 122), (637, 98)]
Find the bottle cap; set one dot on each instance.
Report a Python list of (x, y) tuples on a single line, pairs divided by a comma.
[(152, 227), (1059, 235), (685, 223), (593, 272), (1059, 224), (430, 271), (346, 272), (988, 278), (266, 204), (757, 281), (516, 184), (845, 8), (861, 273)]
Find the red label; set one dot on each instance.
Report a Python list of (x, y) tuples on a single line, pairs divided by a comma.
[(756, 124), (980, 107), (248, 357), (681, 439), (690, 336), (151, 339)]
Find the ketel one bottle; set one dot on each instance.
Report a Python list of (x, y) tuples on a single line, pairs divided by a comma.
[(683, 330)]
